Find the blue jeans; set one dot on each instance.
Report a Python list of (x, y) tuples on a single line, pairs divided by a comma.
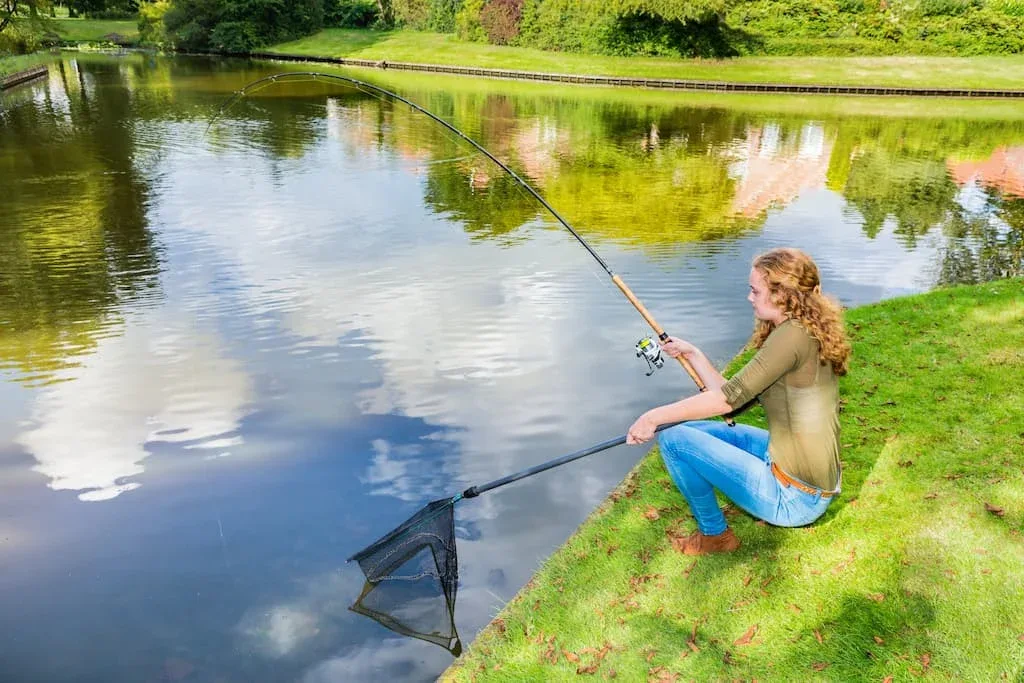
[(702, 456)]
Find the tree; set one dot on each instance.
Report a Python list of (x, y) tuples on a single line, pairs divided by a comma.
[(241, 25), (9, 9)]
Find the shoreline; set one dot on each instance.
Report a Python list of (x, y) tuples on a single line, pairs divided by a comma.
[(901, 576), (651, 83)]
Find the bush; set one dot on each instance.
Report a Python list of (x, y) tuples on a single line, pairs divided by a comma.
[(442, 15), (467, 21), (1013, 8), (152, 30), (19, 38), (947, 8), (241, 25), (500, 20), (411, 13), (350, 13)]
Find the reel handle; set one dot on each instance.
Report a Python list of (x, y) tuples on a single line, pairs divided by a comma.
[(663, 336)]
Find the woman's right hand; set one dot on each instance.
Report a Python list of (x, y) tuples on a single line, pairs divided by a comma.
[(677, 347)]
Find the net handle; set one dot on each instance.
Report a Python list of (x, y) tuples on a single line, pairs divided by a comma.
[(474, 491)]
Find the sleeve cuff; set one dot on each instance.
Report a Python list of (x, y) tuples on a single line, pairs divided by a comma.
[(734, 393)]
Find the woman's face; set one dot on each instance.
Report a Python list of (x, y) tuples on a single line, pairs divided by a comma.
[(760, 299)]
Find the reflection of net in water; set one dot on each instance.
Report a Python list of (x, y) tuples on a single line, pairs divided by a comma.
[(417, 608), (412, 577)]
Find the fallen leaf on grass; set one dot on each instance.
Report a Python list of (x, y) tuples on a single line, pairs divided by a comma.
[(877, 597), (571, 656), (887, 679), (821, 666), (659, 674), (746, 637), (795, 608), (845, 563), (926, 660), (931, 496), (997, 511), (652, 513), (1021, 637), (747, 580), (586, 670), (817, 636), (879, 640)]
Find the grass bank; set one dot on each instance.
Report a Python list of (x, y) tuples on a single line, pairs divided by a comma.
[(10, 64), (95, 30), (1002, 72), (915, 570)]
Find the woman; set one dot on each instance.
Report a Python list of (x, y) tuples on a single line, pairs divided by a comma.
[(789, 474)]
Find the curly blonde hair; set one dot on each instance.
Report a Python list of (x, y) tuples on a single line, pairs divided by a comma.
[(795, 287)]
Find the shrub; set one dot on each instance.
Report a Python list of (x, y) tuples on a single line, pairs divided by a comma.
[(500, 20), (411, 13), (350, 13), (1013, 8), (152, 30), (467, 21), (19, 38), (442, 15), (947, 8), (241, 25)]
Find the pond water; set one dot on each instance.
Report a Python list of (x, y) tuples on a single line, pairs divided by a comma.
[(231, 355)]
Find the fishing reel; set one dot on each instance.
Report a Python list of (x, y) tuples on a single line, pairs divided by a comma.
[(650, 352)]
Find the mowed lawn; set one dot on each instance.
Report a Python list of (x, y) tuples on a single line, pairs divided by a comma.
[(94, 30), (915, 572), (1006, 72)]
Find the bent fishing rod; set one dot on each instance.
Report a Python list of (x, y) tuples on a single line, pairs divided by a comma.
[(645, 348)]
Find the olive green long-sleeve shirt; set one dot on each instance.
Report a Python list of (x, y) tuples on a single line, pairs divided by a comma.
[(800, 396)]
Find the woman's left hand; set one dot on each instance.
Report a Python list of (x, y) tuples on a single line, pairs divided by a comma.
[(642, 430)]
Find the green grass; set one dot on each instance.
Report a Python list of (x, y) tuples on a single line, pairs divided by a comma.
[(94, 30), (809, 106), (412, 46), (10, 64), (916, 570)]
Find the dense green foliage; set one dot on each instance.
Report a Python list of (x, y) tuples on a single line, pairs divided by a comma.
[(718, 28), (681, 28), (241, 25)]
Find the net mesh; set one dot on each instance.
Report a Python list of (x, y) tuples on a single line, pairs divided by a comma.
[(420, 547), (416, 609)]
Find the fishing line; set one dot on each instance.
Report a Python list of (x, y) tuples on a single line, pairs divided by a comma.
[(645, 348)]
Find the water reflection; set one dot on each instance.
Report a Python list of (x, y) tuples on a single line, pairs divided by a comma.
[(364, 315)]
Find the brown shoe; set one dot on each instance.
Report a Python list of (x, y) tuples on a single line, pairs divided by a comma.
[(699, 544)]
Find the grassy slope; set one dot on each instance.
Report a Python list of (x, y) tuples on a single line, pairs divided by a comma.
[(908, 573), (411, 46), (807, 106), (94, 30), (10, 64)]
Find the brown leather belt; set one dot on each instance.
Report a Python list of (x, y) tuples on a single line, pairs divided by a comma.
[(790, 481)]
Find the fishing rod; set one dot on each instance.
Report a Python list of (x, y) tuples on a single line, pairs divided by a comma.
[(645, 348)]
